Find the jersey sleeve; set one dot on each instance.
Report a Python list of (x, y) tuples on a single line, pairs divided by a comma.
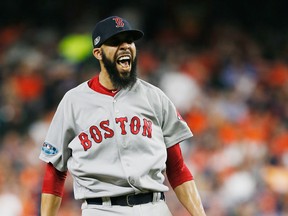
[(174, 127), (55, 147)]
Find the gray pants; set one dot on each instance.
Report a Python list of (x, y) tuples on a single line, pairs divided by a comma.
[(158, 208)]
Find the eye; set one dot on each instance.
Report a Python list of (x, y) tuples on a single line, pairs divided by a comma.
[(116, 41), (130, 41), (113, 42)]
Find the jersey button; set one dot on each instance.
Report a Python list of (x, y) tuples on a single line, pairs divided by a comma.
[(132, 180)]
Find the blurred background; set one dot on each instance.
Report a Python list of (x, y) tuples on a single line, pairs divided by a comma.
[(223, 64)]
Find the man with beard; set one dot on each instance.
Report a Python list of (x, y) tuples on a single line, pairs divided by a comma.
[(117, 135)]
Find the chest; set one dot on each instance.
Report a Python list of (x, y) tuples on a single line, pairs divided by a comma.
[(122, 119)]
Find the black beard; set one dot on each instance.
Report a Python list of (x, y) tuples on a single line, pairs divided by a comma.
[(118, 81)]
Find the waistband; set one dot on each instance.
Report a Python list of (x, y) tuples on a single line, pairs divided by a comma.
[(128, 200)]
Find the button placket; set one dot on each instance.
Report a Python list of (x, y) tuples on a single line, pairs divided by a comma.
[(116, 110)]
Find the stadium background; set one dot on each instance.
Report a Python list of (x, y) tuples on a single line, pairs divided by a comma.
[(223, 63)]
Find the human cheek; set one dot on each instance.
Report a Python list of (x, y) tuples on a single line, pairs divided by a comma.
[(110, 53), (133, 51)]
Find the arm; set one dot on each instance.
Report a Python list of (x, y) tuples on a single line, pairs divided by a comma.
[(50, 204), (182, 182), (188, 195), (52, 190)]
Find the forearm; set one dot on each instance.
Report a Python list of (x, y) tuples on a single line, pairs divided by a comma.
[(188, 195), (50, 204)]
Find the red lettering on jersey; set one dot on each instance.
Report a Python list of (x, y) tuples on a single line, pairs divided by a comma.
[(135, 125), (85, 142), (95, 134), (109, 132), (119, 22), (103, 130), (122, 121), (147, 128)]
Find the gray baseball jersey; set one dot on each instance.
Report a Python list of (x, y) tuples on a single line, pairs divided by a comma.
[(114, 145)]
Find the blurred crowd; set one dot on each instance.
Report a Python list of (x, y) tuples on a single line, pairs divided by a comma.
[(233, 97)]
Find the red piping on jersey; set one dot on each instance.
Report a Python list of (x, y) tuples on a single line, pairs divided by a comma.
[(96, 86), (177, 171)]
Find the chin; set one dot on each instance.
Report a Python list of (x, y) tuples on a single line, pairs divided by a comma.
[(125, 74)]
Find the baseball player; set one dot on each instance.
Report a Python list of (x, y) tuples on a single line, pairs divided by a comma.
[(117, 135)]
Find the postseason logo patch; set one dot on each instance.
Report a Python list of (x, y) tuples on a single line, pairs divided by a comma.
[(49, 149), (97, 40)]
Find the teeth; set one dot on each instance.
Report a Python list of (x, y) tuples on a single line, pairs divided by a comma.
[(124, 58)]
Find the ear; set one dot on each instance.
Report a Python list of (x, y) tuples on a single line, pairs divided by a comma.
[(97, 53)]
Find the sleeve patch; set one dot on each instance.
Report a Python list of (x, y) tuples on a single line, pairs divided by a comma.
[(49, 149), (179, 116)]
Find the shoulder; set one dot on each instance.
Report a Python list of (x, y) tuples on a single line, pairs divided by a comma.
[(75, 94), (152, 93), (148, 87), (82, 88)]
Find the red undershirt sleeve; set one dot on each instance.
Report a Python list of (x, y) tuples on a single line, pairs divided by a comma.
[(176, 170), (53, 182)]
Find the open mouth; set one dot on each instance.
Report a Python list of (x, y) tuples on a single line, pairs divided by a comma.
[(124, 61)]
